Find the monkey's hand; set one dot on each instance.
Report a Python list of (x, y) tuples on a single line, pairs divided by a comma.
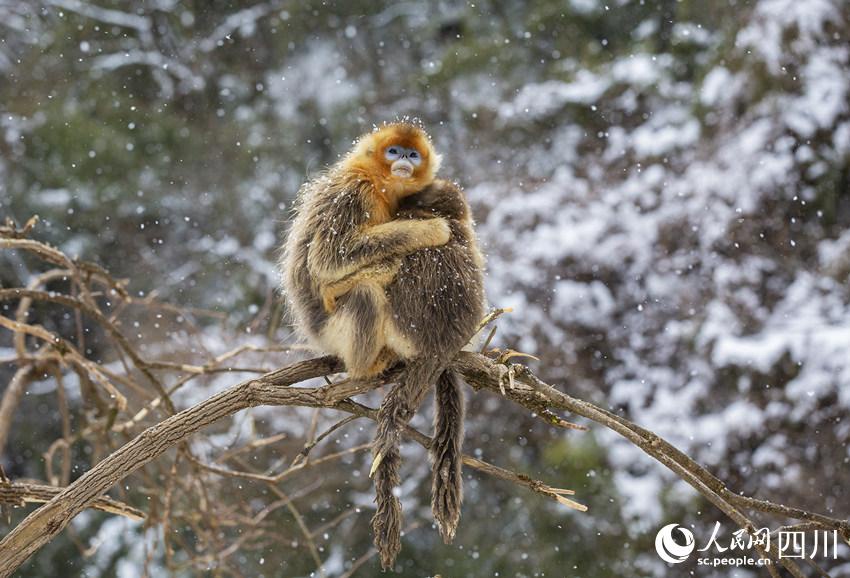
[(380, 275), (433, 232), (329, 262), (329, 295)]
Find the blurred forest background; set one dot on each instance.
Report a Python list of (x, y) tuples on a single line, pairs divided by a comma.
[(662, 188)]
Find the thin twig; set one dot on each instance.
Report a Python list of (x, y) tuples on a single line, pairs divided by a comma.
[(211, 521), (20, 493)]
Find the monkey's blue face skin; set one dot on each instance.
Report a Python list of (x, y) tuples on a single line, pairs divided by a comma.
[(395, 152), (403, 160)]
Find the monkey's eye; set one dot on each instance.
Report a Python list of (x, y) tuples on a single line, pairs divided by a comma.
[(392, 153), (414, 157)]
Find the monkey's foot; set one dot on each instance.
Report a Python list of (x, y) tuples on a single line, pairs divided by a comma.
[(382, 362), (505, 355)]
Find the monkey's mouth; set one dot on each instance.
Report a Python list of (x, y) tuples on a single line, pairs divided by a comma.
[(402, 168)]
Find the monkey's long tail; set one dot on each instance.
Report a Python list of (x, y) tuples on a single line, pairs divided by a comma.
[(386, 523), (446, 456), (397, 409)]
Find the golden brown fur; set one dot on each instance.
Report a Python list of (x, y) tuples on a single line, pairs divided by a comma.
[(366, 162), (344, 223), (380, 274), (441, 200), (380, 269), (437, 301)]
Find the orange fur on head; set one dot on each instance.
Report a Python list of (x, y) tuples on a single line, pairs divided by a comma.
[(367, 161)]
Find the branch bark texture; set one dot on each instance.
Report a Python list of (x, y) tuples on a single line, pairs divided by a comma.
[(275, 389)]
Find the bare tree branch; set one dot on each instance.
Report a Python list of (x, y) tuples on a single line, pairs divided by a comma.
[(493, 374), (275, 389), (11, 398), (20, 493)]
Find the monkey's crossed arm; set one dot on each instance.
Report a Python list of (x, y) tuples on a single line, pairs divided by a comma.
[(348, 246), (380, 274), (415, 293), (446, 204)]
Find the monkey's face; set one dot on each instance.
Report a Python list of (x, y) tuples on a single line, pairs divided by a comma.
[(403, 161), (399, 158)]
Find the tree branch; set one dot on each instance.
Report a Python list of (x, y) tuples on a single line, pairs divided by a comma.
[(11, 398), (513, 382), (275, 389), (20, 493)]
